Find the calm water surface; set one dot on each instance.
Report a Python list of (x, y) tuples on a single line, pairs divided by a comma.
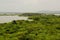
[(5, 19)]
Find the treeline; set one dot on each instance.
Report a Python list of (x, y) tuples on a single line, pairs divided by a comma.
[(43, 27), (31, 14), (35, 14)]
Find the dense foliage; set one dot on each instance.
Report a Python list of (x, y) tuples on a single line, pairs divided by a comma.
[(43, 27)]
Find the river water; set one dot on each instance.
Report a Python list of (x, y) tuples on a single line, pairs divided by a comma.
[(6, 19)]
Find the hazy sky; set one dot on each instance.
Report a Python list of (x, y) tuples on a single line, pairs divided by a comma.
[(29, 5)]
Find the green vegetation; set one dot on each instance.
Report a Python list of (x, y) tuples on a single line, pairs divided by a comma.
[(43, 27)]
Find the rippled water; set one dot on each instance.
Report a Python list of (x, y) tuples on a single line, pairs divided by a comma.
[(5, 19)]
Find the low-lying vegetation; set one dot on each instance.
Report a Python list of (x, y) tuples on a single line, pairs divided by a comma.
[(43, 27)]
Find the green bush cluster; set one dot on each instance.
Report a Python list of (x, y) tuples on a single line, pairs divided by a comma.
[(43, 27)]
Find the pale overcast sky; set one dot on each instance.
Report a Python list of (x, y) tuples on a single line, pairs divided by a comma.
[(29, 5)]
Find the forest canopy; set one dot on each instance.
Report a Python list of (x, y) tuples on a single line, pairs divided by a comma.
[(43, 27)]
